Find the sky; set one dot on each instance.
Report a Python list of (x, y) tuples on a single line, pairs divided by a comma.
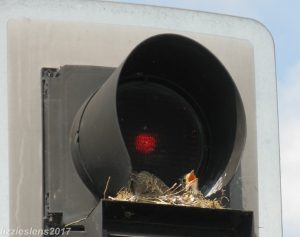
[(281, 18)]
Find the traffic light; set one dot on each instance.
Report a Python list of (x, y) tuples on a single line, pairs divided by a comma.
[(169, 108), (176, 92)]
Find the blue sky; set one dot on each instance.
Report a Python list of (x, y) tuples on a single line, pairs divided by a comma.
[(282, 19)]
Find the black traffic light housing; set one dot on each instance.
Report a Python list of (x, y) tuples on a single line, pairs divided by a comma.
[(117, 218), (101, 123), (175, 90)]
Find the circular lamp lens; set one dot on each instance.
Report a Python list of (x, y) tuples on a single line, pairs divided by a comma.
[(161, 129)]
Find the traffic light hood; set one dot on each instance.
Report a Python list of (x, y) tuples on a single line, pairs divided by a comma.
[(169, 108)]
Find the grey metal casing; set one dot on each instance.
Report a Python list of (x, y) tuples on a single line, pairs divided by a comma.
[(64, 92), (243, 46)]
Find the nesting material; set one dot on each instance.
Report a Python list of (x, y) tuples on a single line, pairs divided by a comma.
[(184, 194), (181, 199)]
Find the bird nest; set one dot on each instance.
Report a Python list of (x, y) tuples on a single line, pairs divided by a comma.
[(144, 187), (184, 198)]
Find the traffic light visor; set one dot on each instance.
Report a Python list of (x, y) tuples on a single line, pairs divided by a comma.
[(169, 108)]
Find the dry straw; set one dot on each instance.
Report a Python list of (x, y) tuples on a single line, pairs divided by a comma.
[(176, 195)]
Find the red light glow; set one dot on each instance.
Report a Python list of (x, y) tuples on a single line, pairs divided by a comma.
[(145, 143)]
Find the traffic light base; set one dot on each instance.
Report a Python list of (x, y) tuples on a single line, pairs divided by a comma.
[(122, 218)]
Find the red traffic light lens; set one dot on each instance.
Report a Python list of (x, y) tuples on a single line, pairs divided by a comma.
[(162, 129), (145, 143)]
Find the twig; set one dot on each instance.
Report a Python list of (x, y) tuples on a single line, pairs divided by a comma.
[(106, 187), (168, 190), (77, 221), (84, 218), (174, 194), (177, 188)]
